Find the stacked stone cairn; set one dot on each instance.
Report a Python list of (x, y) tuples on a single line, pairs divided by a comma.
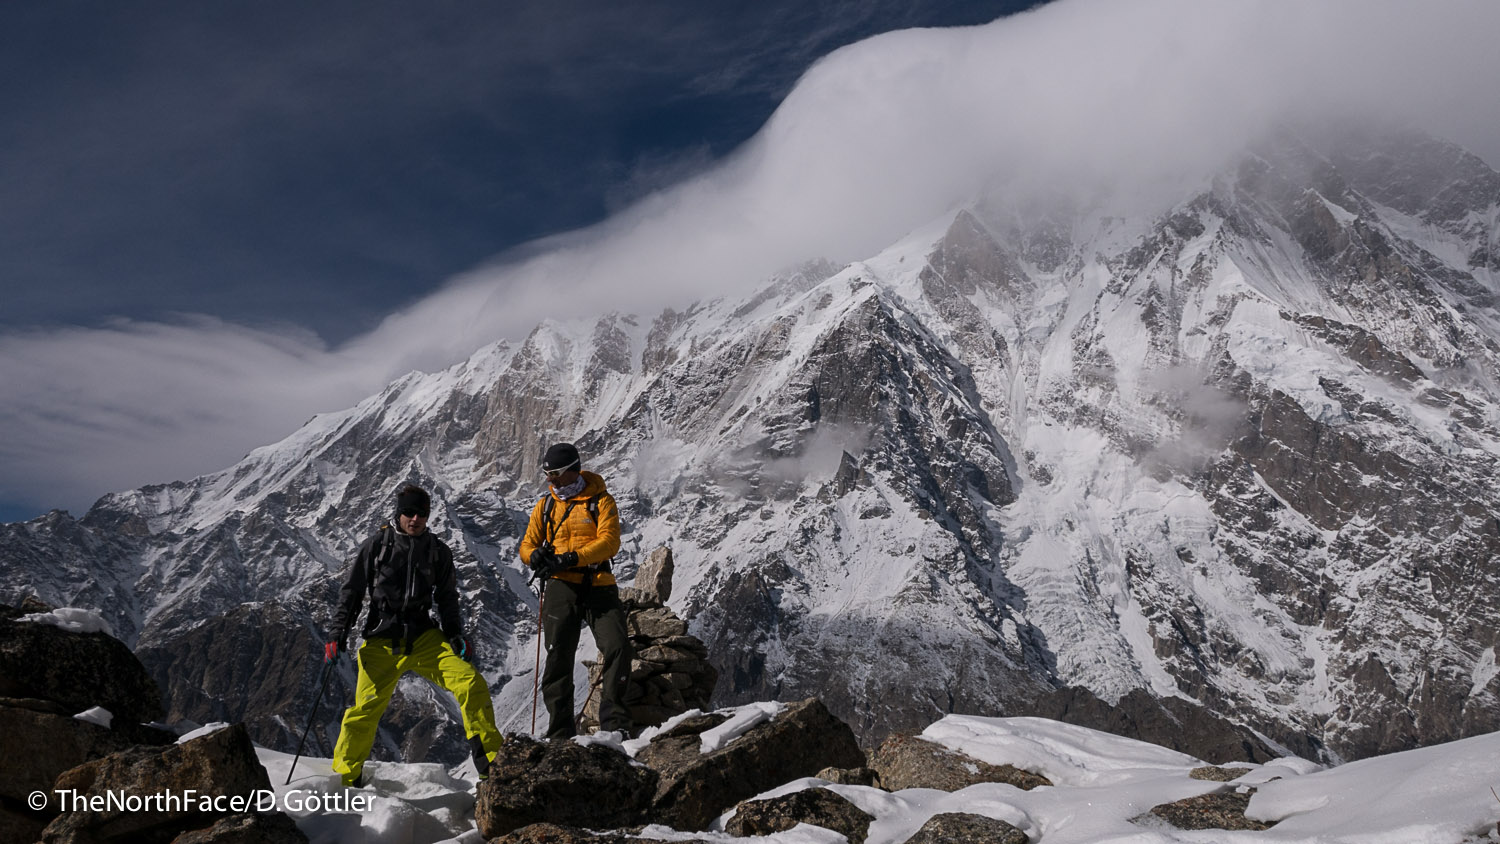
[(670, 674)]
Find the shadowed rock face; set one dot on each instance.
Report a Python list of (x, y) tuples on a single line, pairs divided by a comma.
[(78, 670), (696, 787), (964, 828), (816, 806), (562, 782), (222, 763)]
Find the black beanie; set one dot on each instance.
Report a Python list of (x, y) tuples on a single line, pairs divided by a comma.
[(560, 456), (414, 498)]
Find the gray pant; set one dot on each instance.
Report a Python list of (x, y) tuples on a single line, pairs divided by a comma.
[(567, 607)]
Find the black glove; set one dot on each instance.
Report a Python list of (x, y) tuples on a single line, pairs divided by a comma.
[(568, 560), (461, 647), (545, 563)]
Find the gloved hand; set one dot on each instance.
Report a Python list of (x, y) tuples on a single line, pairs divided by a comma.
[(568, 560), (331, 650), (545, 563), (461, 647)]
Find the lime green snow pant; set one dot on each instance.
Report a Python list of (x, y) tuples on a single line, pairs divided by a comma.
[(380, 667)]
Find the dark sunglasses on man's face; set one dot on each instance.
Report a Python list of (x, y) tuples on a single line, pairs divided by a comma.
[(557, 473), (412, 512)]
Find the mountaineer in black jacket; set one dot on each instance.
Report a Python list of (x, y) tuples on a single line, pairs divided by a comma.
[(405, 569)]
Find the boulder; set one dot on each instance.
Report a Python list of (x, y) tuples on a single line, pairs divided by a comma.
[(222, 763), (562, 782), (653, 580), (911, 762), (1213, 773), (78, 670), (274, 828), (546, 833), (850, 776), (816, 806), (1220, 810), (966, 828), (43, 739), (696, 787), (20, 826)]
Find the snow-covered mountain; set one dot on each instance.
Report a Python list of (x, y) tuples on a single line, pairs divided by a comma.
[(1243, 453)]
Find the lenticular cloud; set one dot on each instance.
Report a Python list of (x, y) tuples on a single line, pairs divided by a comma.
[(1122, 102)]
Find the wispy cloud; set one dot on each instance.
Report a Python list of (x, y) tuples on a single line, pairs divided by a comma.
[(877, 139)]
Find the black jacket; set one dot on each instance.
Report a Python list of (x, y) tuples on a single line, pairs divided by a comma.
[(404, 576)]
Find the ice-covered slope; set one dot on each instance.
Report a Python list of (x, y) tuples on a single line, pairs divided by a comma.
[(1241, 453)]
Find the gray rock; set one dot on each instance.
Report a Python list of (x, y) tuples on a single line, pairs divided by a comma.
[(43, 739), (274, 828), (222, 763), (816, 806), (696, 787), (546, 833), (851, 776), (653, 580), (1213, 773), (562, 783), (656, 623), (78, 670), (910, 762), (1220, 810), (965, 828), (21, 826)]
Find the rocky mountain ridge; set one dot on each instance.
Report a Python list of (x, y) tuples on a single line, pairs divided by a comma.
[(1238, 456)]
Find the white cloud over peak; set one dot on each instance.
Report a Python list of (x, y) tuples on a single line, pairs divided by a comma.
[(878, 138)]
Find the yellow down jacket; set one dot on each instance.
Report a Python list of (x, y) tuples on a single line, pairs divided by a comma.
[(573, 529)]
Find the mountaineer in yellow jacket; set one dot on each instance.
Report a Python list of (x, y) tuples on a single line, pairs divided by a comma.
[(573, 534)]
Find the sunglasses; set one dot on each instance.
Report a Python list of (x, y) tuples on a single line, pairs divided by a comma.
[(557, 473), (412, 512)]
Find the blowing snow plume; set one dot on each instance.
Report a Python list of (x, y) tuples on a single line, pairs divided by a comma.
[(1084, 98)]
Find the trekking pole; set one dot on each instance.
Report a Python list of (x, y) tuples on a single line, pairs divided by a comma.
[(593, 687), (327, 672), (536, 672)]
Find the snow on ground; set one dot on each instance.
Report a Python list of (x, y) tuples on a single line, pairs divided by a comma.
[(1436, 795)]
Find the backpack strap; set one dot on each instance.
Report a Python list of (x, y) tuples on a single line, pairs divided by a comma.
[(383, 550)]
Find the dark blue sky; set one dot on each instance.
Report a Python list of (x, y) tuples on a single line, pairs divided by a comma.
[(324, 163), (218, 219)]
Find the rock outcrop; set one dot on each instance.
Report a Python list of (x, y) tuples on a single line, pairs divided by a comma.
[(220, 764), (966, 828), (1219, 810), (908, 762), (672, 781), (59, 674), (696, 787), (547, 833), (78, 670), (50, 675), (563, 783), (816, 806)]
